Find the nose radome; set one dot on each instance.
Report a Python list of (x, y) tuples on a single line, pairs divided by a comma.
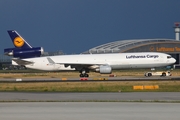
[(173, 60)]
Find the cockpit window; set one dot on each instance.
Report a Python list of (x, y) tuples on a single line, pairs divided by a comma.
[(168, 57)]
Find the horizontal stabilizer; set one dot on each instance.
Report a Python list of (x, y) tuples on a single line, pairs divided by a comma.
[(22, 62)]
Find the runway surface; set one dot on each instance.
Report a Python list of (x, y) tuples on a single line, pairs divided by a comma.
[(89, 111), (104, 96)]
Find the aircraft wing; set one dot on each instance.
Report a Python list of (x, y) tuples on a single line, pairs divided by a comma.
[(22, 62), (77, 65)]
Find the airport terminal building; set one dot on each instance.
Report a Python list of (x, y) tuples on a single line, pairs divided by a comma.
[(169, 46)]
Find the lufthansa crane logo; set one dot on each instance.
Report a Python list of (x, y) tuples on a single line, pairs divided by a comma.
[(18, 42), (151, 48)]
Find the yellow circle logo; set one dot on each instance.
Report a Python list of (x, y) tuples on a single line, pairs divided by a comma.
[(151, 48), (18, 42)]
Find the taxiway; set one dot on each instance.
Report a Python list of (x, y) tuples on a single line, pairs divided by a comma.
[(123, 78)]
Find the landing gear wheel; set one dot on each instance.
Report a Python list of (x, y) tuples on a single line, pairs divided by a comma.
[(86, 75), (81, 75), (163, 74), (149, 74)]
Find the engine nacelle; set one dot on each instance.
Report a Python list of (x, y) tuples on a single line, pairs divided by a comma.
[(24, 53), (104, 69)]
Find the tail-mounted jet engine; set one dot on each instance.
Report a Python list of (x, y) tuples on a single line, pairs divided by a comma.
[(25, 52)]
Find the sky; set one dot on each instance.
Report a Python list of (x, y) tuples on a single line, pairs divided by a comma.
[(74, 26)]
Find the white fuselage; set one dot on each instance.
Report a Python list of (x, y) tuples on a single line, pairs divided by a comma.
[(115, 61)]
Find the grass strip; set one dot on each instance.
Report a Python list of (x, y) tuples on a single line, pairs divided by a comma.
[(164, 86)]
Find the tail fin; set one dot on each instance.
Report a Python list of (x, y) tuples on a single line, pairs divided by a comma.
[(17, 40), (22, 48)]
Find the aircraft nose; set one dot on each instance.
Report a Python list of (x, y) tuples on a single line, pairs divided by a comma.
[(173, 60)]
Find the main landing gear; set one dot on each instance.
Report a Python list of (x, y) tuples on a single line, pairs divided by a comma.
[(84, 73)]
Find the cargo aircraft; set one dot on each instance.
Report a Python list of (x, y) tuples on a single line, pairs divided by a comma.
[(30, 57)]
